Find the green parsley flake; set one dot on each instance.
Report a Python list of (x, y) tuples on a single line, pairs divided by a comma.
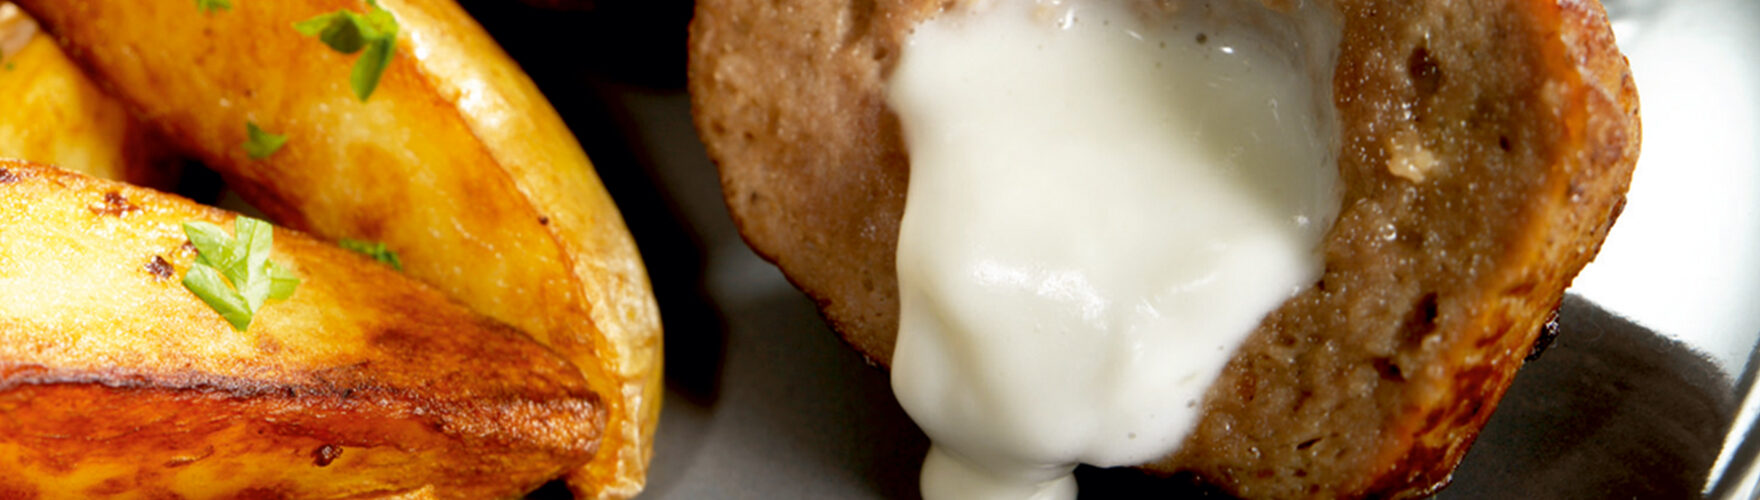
[(376, 250), (349, 32), (208, 6), (260, 144), (232, 273)]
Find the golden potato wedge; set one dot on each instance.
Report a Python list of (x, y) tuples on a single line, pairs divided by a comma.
[(51, 112), (456, 162), (116, 381)]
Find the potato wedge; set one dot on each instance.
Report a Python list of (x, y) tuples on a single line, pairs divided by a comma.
[(51, 112), (116, 381), (456, 162)]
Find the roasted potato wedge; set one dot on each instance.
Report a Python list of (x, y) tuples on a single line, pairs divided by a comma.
[(51, 112), (116, 381), (456, 162)]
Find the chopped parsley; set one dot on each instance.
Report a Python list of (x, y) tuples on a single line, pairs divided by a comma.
[(349, 32), (232, 273), (376, 250), (208, 6), (260, 144)]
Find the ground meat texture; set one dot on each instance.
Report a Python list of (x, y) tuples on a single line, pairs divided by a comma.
[(1486, 149)]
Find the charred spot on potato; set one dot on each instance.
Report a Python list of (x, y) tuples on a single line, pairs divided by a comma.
[(393, 337), (544, 220), (325, 454), (6, 176), (1548, 333), (114, 203), (159, 268)]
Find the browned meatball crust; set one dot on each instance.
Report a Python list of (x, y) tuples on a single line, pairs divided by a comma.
[(1373, 381)]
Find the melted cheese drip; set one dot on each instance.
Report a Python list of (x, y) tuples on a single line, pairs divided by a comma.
[(1104, 201)]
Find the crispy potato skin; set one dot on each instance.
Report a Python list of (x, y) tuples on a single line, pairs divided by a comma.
[(51, 112), (456, 162), (117, 382)]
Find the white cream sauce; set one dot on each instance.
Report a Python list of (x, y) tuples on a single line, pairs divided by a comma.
[(1105, 199)]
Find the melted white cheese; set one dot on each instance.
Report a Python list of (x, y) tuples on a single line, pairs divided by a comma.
[(1104, 201)]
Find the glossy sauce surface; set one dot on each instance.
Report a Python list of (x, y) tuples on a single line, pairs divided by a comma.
[(1104, 201)]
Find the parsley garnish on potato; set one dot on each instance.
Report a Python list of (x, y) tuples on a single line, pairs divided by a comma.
[(349, 32), (232, 273), (259, 144), (376, 250), (212, 5)]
